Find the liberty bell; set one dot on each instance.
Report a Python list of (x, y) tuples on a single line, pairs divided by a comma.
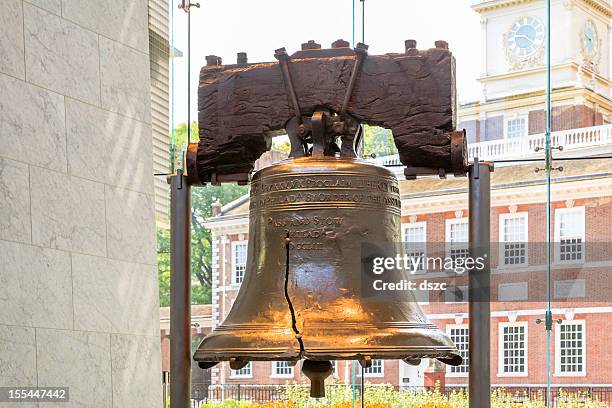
[(312, 215), (301, 297)]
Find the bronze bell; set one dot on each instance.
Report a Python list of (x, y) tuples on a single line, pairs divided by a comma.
[(301, 296)]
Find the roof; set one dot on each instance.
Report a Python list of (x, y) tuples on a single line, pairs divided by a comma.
[(196, 311), (503, 177)]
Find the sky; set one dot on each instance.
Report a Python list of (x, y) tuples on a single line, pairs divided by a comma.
[(226, 27)]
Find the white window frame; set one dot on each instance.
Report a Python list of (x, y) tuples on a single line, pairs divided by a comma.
[(510, 216), (558, 372), (235, 373), (500, 361), (418, 224), (449, 244), (276, 374), (557, 243), (235, 244), (508, 118), (449, 373), (375, 375)]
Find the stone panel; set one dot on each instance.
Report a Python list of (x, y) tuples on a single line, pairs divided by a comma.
[(35, 286), (119, 20), (67, 212), (11, 38), (32, 124), (136, 369), (61, 56), (54, 6), (15, 223), (108, 147), (17, 357), (114, 296), (124, 75), (130, 225), (78, 360)]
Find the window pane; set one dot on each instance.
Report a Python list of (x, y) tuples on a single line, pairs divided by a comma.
[(459, 335)]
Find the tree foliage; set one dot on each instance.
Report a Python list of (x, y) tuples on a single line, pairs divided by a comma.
[(378, 141), (202, 199)]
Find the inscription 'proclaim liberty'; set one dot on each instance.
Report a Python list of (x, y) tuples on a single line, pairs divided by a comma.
[(305, 182), (333, 189)]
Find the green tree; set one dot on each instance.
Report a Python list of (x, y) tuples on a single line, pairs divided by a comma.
[(202, 199), (378, 141), (201, 240), (163, 266)]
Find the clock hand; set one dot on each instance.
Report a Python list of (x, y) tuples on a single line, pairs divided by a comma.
[(525, 37)]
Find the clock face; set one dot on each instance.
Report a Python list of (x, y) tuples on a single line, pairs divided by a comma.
[(589, 39), (525, 37)]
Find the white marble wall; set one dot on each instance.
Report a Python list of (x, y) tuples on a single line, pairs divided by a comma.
[(78, 283)]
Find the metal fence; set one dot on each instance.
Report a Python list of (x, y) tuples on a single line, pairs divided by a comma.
[(203, 393)]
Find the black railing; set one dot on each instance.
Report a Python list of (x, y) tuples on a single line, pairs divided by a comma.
[(270, 392)]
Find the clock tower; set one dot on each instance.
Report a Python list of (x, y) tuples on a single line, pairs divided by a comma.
[(513, 67)]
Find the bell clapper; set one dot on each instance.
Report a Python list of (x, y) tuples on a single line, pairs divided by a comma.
[(317, 372)]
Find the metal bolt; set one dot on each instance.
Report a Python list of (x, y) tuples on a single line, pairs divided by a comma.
[(408, 44), (302, 130), (338, 127), (213, 61), (340, 44), (441, 44), (242, 58), (311, 45)]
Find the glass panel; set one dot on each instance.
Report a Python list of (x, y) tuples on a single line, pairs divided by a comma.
[(579, 205), (550, 227)]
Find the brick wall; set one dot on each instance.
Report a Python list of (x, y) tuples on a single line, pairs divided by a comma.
[(598, 214)]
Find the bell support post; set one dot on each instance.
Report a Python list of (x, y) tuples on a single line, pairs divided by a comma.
[(180, 290), (480, 285)]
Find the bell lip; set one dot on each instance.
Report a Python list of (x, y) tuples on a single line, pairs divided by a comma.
[(454, 360), (446, 356)]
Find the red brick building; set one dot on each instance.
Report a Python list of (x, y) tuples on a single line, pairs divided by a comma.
[(435, 211)]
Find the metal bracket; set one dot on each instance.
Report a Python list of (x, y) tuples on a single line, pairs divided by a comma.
[(319, 142), (283, 61), (538, 148), (539, 169), (361, 52), (186, 6), (548, 320)]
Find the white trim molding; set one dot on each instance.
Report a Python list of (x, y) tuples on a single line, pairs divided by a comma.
[(249, 367), (501, 350), (502, 238), (583, 352), (580, 234), (275, 368), (449, 372), (235, 244)]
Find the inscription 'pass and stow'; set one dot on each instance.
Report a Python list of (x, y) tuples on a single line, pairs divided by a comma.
[(305, 193)]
